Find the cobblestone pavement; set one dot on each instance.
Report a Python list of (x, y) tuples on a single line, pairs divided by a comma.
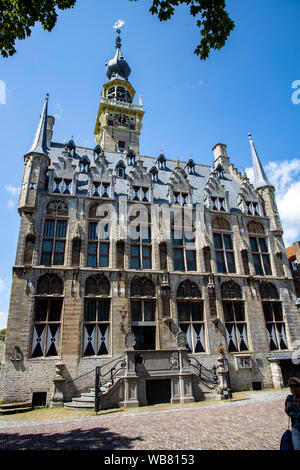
[(256, 423)]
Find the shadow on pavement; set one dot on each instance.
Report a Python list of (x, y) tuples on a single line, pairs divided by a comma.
[(76, 439)]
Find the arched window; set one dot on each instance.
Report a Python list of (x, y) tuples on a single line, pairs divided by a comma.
[(154, 174), (96, 316), (259, 249), (234, 315), (54, 234), (190, 315), (223, 245), (142, 307), (47, 316), (275, 325)]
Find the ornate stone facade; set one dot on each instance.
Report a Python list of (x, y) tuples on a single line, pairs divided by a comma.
[(114, 244)]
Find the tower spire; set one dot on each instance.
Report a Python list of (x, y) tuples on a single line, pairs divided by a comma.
[(40, 140), (260, 178)]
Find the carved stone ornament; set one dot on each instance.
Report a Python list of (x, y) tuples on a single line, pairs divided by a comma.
[(174, 361), (181, 339), (130, 341), (17, 354), (77, 233)]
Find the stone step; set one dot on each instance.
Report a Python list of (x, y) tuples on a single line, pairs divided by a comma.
[(79, 406), (7, 408)]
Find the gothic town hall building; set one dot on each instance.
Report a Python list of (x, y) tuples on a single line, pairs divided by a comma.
[(170, 275)]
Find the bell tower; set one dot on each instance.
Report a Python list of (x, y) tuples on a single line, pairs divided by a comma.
[(119, 120)]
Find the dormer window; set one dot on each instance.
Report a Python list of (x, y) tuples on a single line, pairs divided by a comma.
[(140, 194), (101, 189), (97, 150), (220, 171), (190, 167), (131, 158), (252, 208), (121, 146), (120, 169), (180, 198), (154, 174), (161, 161), (71, 148), (84, 165), (218, 204)]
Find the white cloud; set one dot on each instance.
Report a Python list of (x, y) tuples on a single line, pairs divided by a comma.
[(2, 285), (59, 111), (3, 320), (285, 176), (13, 190), (10, 204)]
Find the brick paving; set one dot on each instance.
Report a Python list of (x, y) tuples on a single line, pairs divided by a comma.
[(253, 424)]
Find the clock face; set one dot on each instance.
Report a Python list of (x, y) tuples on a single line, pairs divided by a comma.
[(121, 120)]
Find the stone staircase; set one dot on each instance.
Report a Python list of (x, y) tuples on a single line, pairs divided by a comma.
[(10, 408), (86, 400)]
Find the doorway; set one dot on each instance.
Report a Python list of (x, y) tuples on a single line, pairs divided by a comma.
[(158, 391), (288, 369)]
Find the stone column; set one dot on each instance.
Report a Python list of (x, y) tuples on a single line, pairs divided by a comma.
[(57, 399), (276, 374)]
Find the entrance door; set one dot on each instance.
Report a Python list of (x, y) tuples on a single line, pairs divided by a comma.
[(158, 391)]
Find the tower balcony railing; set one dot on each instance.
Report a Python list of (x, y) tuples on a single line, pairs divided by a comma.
[(124, 104)]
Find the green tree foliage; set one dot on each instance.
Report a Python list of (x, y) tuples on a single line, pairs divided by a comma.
[(212, 20), (17, 18), (2, 335)]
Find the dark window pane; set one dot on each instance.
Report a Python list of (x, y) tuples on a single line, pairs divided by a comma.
[(103, 310), (59, 253), (92, 254), (93, 231), (136, 311), (183, 311), (228, 311), (178, 259), (146, 250), (49, 228), (197, 311), (55, 310), (267, 307), (230, 262), (218, 241), (149, 311), (263, 245), (41, 310), (90, 310), (267, 265), (257, 264), (191, 260), (277, 309), (239, 311), (135, 256), (253, 244), (227, 242), (61, 228), (220, 262), (104, 255)]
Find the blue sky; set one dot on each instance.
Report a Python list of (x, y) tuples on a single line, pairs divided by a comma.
[(190, 104)]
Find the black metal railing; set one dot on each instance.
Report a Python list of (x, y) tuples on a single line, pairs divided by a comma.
[(207, 376), (108, 376)]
